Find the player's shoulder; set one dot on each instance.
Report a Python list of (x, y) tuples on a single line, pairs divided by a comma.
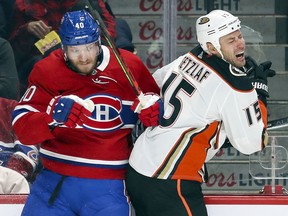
[(236, 79), (50, 65), (51, 72), (233, 77)]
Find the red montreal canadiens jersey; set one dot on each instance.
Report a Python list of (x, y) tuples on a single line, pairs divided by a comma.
[(99, 149)]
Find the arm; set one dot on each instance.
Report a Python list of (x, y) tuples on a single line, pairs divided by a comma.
[(243, 121), (31, 125), (258, 75), (42, 108), (28, 27), (21, 40), (30, 120)]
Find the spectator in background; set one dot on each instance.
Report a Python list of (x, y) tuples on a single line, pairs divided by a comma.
[(7, 134), (6, 9), (124, 37), (19, 164), (33, 20), (9, 85)]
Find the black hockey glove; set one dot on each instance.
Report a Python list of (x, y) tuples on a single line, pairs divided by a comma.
[(258, 75)]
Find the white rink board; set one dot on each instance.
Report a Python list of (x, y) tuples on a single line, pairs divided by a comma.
[(11, 209), (247, 210)]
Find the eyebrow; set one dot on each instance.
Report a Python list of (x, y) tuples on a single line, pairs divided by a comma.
[(86, 45), (230, 37)]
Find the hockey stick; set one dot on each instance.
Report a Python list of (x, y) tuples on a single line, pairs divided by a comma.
[(129, 75), (278, 123)]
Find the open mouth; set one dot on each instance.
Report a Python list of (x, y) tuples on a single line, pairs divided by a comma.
[(240, 55)]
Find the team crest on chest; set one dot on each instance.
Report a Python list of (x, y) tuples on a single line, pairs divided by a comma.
[(106, 115)]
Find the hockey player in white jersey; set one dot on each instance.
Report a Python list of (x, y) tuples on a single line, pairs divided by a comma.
[(208, 97)]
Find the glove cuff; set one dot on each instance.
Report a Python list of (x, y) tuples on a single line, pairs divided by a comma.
[(261, 89), (260, 86)]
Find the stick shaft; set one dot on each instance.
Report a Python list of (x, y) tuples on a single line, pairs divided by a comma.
[(129, 75), (278, 123)]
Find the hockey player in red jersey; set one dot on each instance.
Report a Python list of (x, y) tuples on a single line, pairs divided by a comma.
[(78, 107), (207, 96)]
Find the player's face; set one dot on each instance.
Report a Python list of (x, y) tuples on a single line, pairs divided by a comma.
[(233, 48), (83, 57)]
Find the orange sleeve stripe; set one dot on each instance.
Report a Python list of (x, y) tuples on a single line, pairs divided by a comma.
[(263, 112)]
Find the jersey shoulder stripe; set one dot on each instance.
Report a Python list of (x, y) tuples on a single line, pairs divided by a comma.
[(238, 82)]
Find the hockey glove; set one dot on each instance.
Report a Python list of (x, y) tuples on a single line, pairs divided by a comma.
[(22, 164), (69, 110), (258, 75), (151, 112)]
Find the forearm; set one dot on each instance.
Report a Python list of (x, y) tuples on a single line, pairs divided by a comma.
[(33, 128)]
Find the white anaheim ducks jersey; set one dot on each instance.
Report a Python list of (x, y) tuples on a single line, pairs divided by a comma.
[(204, 102)]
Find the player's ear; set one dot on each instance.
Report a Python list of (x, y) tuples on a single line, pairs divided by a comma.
[(211, 48)]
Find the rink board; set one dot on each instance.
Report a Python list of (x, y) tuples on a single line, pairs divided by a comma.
[(217, 205)]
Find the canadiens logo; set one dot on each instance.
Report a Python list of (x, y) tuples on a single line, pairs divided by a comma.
[(107, 114), (33, 155), (204, 20)]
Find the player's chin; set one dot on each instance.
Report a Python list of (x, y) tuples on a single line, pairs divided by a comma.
[(239, 64), (85, 69)]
